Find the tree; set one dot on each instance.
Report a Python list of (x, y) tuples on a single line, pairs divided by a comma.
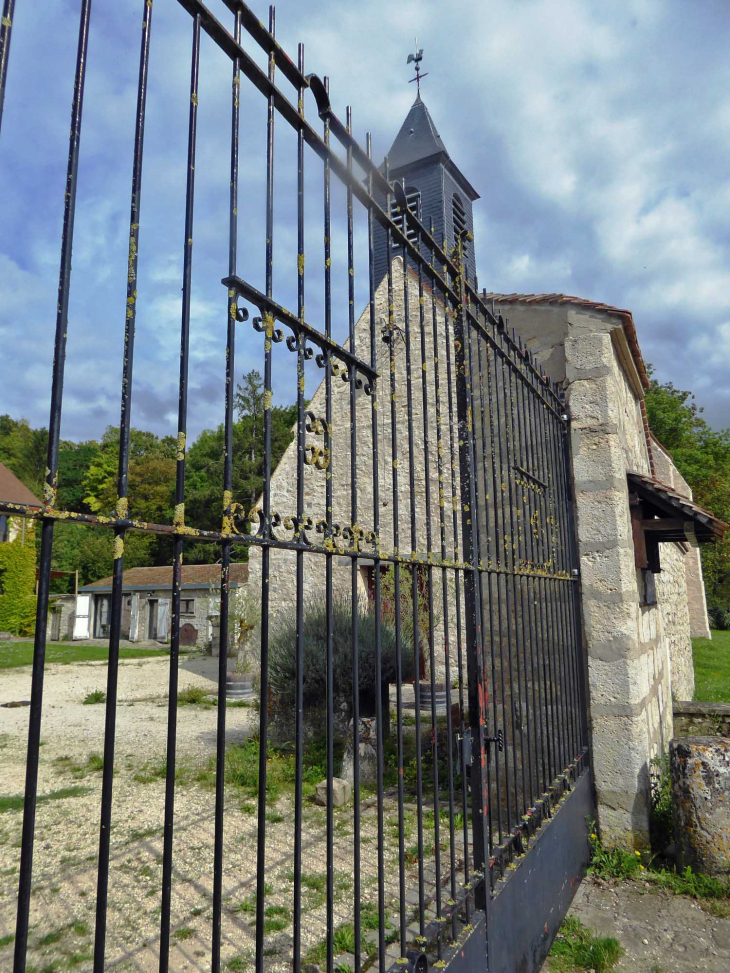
[(24, 451), (702, 456), (249, 400)]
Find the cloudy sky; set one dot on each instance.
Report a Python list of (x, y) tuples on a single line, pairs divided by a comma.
[(596, 133)]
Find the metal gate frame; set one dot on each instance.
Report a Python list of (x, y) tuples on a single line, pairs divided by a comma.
[(516, 586)]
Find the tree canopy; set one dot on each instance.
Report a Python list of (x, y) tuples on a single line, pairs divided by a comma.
[(702, 456), (87, 483)]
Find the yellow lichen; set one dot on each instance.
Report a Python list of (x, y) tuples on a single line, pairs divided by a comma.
[(122, 508), (181, 441), (267, 399), (118, 548)]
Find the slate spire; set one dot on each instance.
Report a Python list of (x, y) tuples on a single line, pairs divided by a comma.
[(417, 139)]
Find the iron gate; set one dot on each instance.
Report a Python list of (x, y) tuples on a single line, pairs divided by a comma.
[(429, 493)]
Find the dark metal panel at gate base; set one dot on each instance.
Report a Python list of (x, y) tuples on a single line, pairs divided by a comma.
[(528, 907)]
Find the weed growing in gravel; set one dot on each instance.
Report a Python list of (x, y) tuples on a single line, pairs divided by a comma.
[(66, 764), (95, 696), (6, 940), (576, 947), (249, 903), (184, 933), (238, 964), (192, 696), (15, 803)]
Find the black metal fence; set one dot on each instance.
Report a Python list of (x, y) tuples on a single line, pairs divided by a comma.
[(430, 455)]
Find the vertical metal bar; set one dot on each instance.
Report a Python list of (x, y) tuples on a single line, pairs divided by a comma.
[(396, 573), (380, 716), (557, 630), (328, 562), (122, 502), (489, 606), (414, 590), (494, 582), (49, 500), (444, 596), (429, 578), (515, 661), (573, 567), (220, 762), (354, 570), (450, 340), (266, 550), (505, 477), (299, 536), (534, 734), (179, 519), (6, 28), (542, 639), (560, 587), (473, 610)]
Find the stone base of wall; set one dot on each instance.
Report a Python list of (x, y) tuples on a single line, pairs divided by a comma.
[(702, 719)]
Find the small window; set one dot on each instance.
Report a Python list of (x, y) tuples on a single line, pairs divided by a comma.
[(187, 606), (3, 528), (413, 201)]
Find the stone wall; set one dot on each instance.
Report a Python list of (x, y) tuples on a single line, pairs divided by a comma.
[(638, 655), (424, 496)]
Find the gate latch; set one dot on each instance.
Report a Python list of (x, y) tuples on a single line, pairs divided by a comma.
[(498, 739)]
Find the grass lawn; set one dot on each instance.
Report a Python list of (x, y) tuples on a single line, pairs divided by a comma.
[(712, 668), (14, 654)]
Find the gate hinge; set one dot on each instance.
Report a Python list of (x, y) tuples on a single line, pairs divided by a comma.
[(498, 739)]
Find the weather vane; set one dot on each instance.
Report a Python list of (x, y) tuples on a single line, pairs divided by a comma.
[(417, 58)]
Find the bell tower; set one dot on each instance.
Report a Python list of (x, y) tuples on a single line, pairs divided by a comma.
[(435, 187)]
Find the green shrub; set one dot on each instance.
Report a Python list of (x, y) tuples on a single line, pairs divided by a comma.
[(282, 653), (719, 618), (17, 586)]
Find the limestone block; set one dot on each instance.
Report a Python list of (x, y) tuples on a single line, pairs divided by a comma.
[(609, 572), (626, 682), (587, 352), (593, 402), (604, 620), (700, 774), (603, 517), (341, 792), (597, 456)]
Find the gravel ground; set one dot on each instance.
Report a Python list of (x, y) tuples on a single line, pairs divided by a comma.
[(64, 889)]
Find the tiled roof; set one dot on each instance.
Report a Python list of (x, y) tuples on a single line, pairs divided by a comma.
[(707, 526), (627, 319), (196, 575), (13, 490)]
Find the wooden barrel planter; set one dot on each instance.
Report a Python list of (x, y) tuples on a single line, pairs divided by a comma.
[(239, 686)]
